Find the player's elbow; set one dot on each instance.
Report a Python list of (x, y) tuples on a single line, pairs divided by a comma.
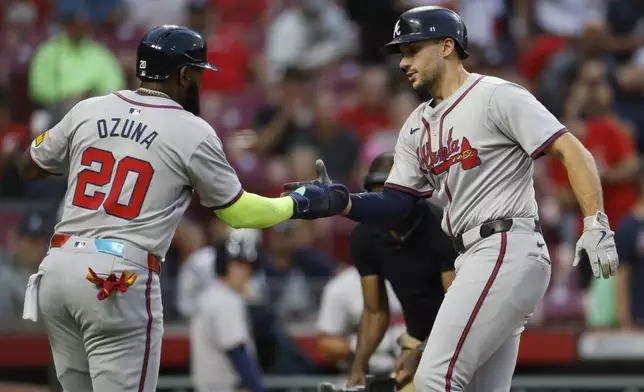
[(233, 223), (568, 148), (28, 170)]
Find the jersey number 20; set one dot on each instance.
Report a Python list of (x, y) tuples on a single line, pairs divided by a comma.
[(110, 202)]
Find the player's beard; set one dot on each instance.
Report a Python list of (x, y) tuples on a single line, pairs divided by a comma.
[(191, 102), (428, 78)]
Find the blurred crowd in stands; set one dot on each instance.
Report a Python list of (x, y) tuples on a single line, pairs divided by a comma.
[(302, 79)]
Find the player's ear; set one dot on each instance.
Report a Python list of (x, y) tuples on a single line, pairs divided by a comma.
[(184, 78), (448, 47)]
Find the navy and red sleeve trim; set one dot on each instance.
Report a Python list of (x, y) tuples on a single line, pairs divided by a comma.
[(231, 202), (539, 152), (408, 190)]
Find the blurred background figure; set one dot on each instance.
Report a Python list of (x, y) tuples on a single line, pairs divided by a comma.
[(223, 353), (339, 318), (628, 293), (14, 138), (198, 270), (310, 34), (225, 47), (336, 145), (281, 124), (590, 117), (291, 277), (98, 11), (70, 67), (369, 113), (26, 250)]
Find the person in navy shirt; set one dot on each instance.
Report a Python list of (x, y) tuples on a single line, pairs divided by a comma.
[(629, 238)]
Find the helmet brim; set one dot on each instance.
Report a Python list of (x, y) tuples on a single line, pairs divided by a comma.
[(393, 47), (206, 65)]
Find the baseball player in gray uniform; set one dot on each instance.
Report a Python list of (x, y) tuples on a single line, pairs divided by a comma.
[(133, 159), (472, 147), (222, 350)]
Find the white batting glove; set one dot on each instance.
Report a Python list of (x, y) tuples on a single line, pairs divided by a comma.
[(597, 245)]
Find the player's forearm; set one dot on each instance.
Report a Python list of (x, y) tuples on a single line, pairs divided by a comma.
[(256, 212), (384, 208), (335, 348), (373, 326), (582, 172)]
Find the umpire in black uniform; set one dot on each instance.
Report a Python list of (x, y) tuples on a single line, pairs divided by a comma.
[(416, 257)]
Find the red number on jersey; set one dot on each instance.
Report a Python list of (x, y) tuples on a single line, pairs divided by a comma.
[(141, 169)]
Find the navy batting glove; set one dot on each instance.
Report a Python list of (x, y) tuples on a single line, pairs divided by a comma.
[(301, 205), (314, 201)]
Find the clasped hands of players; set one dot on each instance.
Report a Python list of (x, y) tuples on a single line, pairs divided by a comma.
[(319, 198)]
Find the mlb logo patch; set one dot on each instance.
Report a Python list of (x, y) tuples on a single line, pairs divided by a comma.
[(80, 244), (135, 111)]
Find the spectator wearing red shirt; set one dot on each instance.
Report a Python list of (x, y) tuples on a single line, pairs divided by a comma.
[(605, 137), (370, 113), (225, 49), (589, 117), (242, 14)]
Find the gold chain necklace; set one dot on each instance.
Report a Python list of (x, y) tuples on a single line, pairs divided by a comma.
[(154, 93)]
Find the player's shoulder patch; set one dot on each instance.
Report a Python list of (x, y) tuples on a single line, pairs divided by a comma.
[(40, 138)]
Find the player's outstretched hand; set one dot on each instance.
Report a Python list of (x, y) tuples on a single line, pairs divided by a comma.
[(313, 201), (319, 198), (323, 178), (597, 246)]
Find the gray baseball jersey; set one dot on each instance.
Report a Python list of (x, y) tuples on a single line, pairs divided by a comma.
[(132, 163), (474, 152), (219, 324)]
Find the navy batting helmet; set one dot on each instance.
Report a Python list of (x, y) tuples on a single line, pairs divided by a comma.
[(164, 49), (422, 23), (378, 171)]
